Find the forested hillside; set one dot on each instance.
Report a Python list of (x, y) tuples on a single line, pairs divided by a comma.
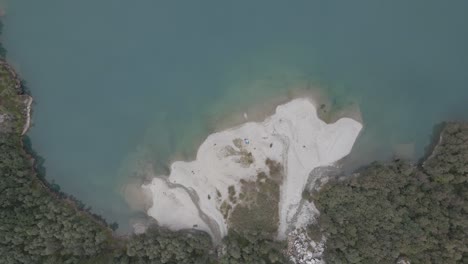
[(34, 226), (400, 211)]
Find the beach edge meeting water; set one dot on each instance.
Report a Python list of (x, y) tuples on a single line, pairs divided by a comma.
[(204, 193)]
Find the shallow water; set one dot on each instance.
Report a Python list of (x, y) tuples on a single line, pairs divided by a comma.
[(119, 83)]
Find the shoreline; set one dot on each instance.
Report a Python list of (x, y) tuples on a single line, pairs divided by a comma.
[(20, 89), (76, 204), (36, 160), (259, 111), (18, 82)]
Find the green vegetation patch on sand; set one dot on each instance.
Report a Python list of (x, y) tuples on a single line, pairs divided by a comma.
[(257, 208)]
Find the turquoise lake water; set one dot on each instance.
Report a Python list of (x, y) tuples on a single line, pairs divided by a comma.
[(120, 83)]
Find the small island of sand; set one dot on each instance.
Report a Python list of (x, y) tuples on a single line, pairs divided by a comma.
[(251, 176)]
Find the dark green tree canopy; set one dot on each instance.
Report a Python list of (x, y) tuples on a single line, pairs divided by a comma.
[(397, 210)]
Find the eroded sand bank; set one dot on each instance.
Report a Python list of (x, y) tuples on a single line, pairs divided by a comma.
[(197, 193)]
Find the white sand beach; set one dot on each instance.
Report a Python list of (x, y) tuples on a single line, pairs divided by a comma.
[(192, 195)]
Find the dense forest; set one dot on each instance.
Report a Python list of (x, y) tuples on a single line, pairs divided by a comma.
[(398, 211)]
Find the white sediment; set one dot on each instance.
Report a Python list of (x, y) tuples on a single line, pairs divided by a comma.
[(174, 208), (28, 102), (191, 196)]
